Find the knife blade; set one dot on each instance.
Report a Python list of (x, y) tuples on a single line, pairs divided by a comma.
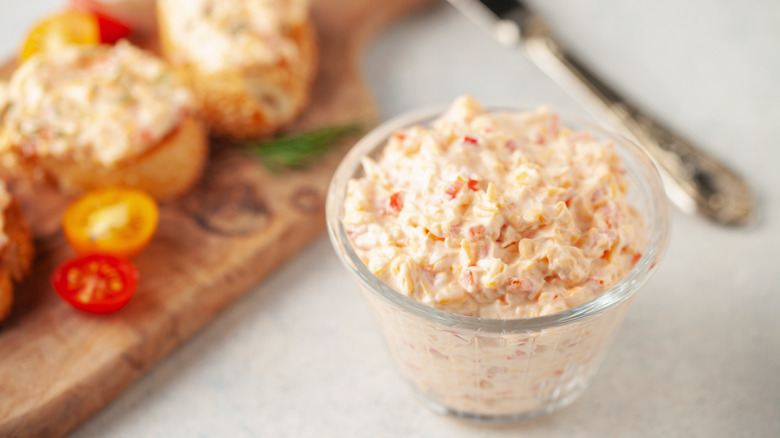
[(694, 180)]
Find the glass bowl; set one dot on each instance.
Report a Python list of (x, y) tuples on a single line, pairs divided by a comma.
[(500, 370)]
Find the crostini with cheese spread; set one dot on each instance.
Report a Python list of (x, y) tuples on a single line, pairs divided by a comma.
[(250, 63), (93, 116)]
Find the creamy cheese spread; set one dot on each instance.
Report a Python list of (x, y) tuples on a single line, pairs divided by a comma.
[(495, 214), (103, 103), (220, 35)]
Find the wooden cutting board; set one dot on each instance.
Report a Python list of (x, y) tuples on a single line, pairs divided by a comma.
[(58, 366)]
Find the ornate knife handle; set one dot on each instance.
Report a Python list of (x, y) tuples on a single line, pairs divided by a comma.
[(694, 180)]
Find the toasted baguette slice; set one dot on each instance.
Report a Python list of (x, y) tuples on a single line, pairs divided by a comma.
[(165, 171), (16, 257), (250, 102)]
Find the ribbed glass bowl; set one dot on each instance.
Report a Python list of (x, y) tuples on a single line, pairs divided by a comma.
[(500, 370)]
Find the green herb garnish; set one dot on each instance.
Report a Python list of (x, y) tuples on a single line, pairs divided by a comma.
[(297, 151)]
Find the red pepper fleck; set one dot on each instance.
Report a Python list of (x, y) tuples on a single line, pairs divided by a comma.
[(536, 137), (396, 203), (453, 189), (467, 280), (568, 202), (474, 184), (400, 136), (636, 258), (517, 354), (146, 135), (476, 232), (520, 285), (470, 140), (511, 145)]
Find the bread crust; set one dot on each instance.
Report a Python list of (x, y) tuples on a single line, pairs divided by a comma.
[(16, 257), (253, 101), (165, 171)]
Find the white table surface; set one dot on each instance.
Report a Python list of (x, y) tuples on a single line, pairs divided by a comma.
[(699, 352)]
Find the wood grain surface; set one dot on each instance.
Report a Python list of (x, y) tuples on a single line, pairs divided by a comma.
[(58, 365)]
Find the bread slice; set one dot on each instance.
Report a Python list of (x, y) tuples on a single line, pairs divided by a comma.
[(16, 257), (254, 101), (165, 171)]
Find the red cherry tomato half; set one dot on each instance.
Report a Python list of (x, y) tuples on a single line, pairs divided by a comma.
[(96, 283), (111, 29)]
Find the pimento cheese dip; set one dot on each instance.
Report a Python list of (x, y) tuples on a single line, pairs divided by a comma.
[(503, 216), (494, 214), (102, 103), (219, 35)]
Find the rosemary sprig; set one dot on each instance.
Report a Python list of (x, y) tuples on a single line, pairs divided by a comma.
[(297, 151)]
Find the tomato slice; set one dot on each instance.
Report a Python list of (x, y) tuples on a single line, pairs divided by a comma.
[(112, 29), (96, 283), (60, 30), (112, 220)]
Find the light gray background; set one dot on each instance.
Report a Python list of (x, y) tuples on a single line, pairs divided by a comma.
[(699, 353)]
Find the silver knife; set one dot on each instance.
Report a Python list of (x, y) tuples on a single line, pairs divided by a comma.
[(694, 180)]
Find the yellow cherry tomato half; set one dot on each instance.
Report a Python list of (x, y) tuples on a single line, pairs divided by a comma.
[(60, 30), (113, 220)]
